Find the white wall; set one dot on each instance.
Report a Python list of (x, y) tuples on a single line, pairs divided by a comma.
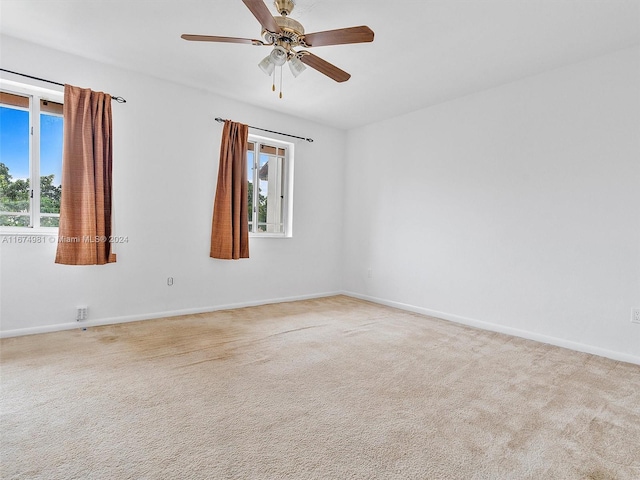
[(166, 146), (516, 209)]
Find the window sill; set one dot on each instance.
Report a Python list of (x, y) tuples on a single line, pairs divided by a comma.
[(268, 235)]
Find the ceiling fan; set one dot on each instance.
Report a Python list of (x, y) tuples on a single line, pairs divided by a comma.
[(284, 34)]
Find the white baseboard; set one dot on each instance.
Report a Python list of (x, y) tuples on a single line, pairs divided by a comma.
[(558, 342), (150, 316)]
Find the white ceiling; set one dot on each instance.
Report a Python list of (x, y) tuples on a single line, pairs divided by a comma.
[(425, 52)]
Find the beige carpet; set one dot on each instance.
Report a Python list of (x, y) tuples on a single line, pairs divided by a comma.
[(332, 388)]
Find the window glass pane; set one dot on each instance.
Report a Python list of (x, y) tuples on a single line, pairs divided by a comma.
[(268, 149), (50, 168), (14, 165), (47, 106), (11, 99), (270, 214), (250, 161), (263, 192)]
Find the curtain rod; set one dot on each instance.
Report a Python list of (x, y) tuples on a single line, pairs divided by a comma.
[(222, 120), (117, 99)]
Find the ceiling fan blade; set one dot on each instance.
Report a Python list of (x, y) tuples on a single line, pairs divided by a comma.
[(324, 67), (262, 14), (340, 36), (210, 38)]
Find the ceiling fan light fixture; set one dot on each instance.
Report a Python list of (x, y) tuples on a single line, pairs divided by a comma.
[(267, 66), (296, 66), (278, 56)]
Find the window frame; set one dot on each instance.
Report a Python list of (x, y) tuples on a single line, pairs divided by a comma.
[(286, 187), (35, 95)]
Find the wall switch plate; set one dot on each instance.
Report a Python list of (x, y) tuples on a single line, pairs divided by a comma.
[(635, 315)]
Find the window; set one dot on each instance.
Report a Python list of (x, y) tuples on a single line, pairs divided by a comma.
[(30, 156), (270, 174)]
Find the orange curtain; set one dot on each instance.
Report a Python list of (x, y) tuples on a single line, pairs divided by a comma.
[(230, 225), (85, 205)]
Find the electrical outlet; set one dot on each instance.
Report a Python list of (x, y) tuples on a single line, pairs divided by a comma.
[(81, 313), (369, 273), (170, 281), (635, 315)]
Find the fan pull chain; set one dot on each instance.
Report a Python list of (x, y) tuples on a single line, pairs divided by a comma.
[(273, 86), (280, 81)]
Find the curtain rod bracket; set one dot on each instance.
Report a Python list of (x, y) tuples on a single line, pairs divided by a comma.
[(310, 140)]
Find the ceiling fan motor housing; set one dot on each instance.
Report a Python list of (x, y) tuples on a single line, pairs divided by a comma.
[(288, 24), (291, 33)]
